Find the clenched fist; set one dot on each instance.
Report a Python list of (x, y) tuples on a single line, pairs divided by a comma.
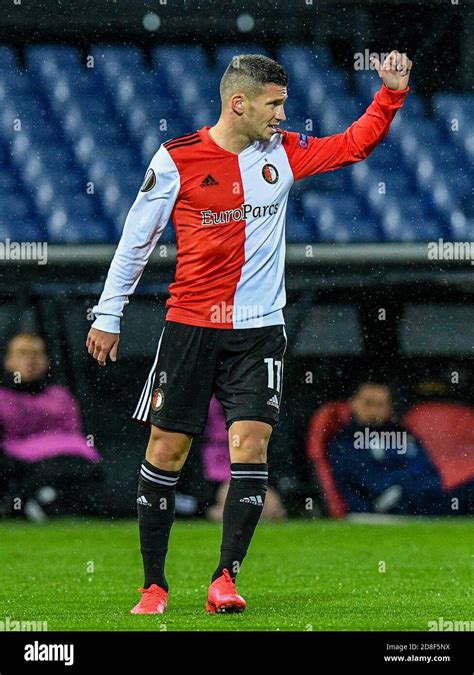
[(395, 71)]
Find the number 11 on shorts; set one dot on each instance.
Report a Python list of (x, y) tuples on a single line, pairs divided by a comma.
[(271, 364)]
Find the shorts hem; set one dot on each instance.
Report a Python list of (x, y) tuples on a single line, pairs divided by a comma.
[(170, 425), (180, 427), (253, 418)]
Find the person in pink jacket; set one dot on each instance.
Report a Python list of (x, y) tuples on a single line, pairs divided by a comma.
[(47, 465)]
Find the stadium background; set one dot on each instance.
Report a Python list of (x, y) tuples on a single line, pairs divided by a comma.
[(70, 172)]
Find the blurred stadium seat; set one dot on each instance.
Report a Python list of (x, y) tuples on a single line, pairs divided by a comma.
[(73, 177)]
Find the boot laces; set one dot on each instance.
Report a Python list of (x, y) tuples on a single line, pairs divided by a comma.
[(228, 579)]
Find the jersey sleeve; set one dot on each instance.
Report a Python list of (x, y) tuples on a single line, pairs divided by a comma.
[(143, 227), (309, 155)]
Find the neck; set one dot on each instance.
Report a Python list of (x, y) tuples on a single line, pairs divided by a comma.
[(229, 138)]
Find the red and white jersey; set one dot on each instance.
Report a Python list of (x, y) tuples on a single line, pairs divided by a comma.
[(228, 211)]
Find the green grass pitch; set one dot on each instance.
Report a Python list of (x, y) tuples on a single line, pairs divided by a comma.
[(298, 575)]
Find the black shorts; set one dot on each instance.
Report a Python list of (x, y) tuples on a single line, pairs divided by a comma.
[(243, 367)]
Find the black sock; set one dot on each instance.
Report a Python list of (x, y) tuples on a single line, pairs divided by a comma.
[(242, 509), (155, 506)]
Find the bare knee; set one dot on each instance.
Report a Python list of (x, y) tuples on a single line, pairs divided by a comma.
[(248, 441), (167, 449)]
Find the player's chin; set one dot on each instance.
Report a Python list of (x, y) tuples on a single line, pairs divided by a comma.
[(265, 134)]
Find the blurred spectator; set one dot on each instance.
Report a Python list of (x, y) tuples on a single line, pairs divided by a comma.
[(379, 467), (216, 465), (47, 466)]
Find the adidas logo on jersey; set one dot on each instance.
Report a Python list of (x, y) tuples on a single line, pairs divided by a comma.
[(274, 402), (209, 181), (143, 501), (257, 501)]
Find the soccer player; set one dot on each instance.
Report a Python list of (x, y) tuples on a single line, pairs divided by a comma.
[(225, 187)]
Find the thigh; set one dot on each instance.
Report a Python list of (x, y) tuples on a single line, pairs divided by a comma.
[(179, 387), (249, 379)]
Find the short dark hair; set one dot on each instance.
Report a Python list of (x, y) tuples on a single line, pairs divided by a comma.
[(251, 72)]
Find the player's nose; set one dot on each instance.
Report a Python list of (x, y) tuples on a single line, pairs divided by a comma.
[(280, 115)]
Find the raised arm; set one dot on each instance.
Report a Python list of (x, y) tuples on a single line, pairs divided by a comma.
[(143, 227), (312, 155)]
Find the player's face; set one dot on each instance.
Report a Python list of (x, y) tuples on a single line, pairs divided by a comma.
[(27, 356), (265, 112), (372, 405)]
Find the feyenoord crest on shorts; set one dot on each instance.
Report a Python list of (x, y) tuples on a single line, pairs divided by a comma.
[(158, 399)]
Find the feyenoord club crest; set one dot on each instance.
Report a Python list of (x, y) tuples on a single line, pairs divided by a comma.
[(270, 173), (149, 181), (157, 399)]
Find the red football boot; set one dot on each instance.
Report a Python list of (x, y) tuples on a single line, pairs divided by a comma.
[(222, 597), (153, 601)]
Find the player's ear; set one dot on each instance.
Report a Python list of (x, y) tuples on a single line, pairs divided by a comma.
[(237, 103)]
